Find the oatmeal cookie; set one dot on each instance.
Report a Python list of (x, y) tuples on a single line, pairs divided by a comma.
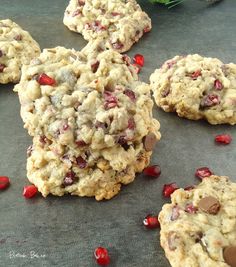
[(198, 228), (17, 48), (197, 87), (120, 23)]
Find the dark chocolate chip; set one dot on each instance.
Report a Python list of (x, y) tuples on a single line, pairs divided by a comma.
[(149, 141), (230, 255)]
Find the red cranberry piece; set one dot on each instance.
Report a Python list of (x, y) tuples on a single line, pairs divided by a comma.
[(137, 68), (168, 189), (43, 139), (81, 2), (101, 255), (218, 85), (65, 127), (196, 74), (189, 208), (76, 13), (95, 66), (210, 100), (189, 188), (175, 213), (44, 79), (18, 37), (4, 182), (130, 94), (224, 139), (80, 143), (110, 100), (114, 14), (1, 53), (153, 171), (203, 172), (2, 67), (146, 29), (151, 222), (82, 163), (139, 59), (117, 45), (126, 59), (97, 26), (69, 178), (30, 191), (131, 124)]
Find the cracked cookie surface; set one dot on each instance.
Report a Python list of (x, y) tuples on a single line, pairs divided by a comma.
[(94, 114), (120, 23), (198, 228), (197, 87), (17, 47)]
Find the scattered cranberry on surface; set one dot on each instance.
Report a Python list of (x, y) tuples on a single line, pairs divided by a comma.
[(218, 85), (153, 171), (4, 182), (30, 191), (101, 255), (151, 222), (203, 172), (168, 189), (139, 59), (44, 79), (224, 139)]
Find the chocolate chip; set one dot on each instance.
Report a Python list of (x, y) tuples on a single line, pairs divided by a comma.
[(209, 204), (69, 178), (149, 141), (230, 255)]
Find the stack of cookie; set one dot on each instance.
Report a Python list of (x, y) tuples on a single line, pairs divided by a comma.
[(90, 118)]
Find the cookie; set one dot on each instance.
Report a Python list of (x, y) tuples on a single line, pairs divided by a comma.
[(197, 87), (121, 23), (17, 48), (198, 228), (89, 107)]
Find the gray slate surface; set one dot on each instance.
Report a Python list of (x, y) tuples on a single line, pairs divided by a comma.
[(66, 230)]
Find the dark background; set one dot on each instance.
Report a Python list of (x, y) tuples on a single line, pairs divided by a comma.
[(66, 230)]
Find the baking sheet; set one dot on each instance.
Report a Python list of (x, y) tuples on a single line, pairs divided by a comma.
[(64, 231)]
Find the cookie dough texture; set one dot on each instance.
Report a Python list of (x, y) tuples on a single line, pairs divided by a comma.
[(197, 87), (94, 124), (17, 48), (120, 23), (199, 226)]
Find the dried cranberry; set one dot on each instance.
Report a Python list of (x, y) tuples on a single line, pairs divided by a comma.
[(168, 189), (44, 79), (151, 222), (114, 14), (1, 53), (65, 127), (18, 37), (95, 66), (210, 100), (146, 29), (69, 178), (82, 163), (153, 171), (117, 45), (175, 213), (81, 2), (76, 13), (189, 208), (101, 255), (110, 100), (97, 26), (43, 139), (130, 94), (30, 191), (218, 85), (224, 139), (4, 182), (2, 67), (126, 59), (139, 59), (131, 123), (203, 172), (196, 74), (80, 143)]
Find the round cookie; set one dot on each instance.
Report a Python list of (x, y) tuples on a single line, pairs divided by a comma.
[(94, 113), (198, 228), (120, 23), (17, 47), (197, 87)]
